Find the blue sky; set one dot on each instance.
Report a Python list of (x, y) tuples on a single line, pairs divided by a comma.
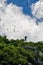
[(15, 24), (24, 4)]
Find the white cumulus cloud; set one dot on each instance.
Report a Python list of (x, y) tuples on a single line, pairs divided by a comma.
[(16, 25), (37, 9)]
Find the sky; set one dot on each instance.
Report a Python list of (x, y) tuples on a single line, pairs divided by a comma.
[(20, 18), (26, 7)]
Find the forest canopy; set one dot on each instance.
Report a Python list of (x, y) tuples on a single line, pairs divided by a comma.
[(20, 52)]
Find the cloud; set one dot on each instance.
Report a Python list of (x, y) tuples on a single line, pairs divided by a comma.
[(16, 25), (37, 9), (2, 1)]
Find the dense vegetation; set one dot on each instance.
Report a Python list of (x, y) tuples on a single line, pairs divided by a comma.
[(19, 52)]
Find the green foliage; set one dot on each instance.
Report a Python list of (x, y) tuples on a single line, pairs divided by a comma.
[(15, 52)]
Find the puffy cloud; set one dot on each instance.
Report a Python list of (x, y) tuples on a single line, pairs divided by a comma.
[(16, 25), (2, 1), (37, 9)]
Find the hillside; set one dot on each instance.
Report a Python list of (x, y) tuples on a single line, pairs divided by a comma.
[(20, 52)]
